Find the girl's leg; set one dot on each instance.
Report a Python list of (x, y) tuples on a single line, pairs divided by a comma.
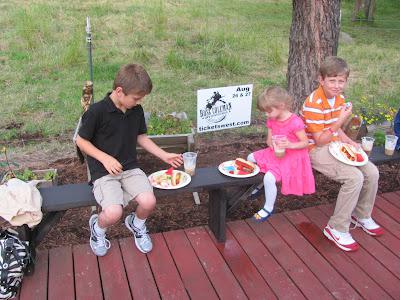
[(270, 194), (254, 193)]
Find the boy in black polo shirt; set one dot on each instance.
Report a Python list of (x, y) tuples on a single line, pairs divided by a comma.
[(110, 131)]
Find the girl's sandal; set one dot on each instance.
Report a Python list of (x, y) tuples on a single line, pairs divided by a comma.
[(257, 218)]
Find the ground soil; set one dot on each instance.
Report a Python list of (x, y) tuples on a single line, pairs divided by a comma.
[(181, 211)]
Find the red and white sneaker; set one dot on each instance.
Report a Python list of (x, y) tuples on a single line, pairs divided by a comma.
[(343, 240), (368, 225)]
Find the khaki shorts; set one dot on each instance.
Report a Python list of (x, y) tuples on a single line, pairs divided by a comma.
[(120, 189)]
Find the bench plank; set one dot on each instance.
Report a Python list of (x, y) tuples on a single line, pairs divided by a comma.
[(63, 197)]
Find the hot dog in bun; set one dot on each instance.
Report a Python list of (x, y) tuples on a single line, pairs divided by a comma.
[(176, 178), (348, 152), (244, 165)]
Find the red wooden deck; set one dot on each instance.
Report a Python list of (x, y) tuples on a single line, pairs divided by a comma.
[(287, 257)]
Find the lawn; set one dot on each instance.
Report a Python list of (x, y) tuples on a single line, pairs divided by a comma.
[(185, 45)]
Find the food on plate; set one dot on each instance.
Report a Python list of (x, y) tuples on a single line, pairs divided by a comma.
[(169, 178), (176, 178), (244, 165), (350, 153)]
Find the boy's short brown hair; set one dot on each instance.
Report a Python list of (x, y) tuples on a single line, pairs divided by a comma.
[(333, 66), (274, 96), (133, 79)]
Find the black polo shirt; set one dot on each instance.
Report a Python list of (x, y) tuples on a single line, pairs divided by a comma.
[(113, 132)]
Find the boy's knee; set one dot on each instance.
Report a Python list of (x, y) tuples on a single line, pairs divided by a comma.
[(373, 174), (356, 179), (147, 201), (112, 213)]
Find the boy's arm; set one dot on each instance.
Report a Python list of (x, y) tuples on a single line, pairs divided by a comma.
[(170, 158), (110, 163), (322, 138)]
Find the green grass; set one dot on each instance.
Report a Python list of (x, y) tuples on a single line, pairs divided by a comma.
[(184, 45)]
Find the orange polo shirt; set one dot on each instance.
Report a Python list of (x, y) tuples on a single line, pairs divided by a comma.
[(318, 115)]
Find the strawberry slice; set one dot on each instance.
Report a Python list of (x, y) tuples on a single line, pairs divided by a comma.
[(359, 157), (169, 171)]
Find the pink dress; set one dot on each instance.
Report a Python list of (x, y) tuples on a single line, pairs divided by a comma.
[(294, 169)]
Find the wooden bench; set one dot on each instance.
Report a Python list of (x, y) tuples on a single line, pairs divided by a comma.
[(57, 199)]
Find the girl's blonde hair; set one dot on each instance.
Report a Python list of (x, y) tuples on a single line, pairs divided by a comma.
[(274, 96)]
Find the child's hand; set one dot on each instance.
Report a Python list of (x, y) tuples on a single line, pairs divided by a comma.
[(282, 143), (346, 111), (112, 165), (173, 159)]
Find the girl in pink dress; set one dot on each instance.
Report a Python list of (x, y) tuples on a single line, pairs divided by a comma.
[(285, 159)]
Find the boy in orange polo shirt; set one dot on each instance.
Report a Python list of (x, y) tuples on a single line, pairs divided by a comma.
[(324, 113)]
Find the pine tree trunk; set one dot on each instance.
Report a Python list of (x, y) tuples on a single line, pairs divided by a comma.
[(314, 34)]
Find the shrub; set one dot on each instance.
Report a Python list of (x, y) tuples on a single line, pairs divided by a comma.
[(159, 125), (375, 111)]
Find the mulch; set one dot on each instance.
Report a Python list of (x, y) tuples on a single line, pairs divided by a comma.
[(180, 212)]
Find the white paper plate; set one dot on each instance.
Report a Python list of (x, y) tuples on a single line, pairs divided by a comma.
[(229, 165), (334, 149), (185, 180)]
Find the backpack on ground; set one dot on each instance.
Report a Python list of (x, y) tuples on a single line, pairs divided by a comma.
[(15, 258)]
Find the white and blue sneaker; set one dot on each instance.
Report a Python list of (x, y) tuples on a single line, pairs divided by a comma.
[(142, 238), (98, 243)]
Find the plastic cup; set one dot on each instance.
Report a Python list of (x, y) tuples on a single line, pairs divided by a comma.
[(276, 141), (390, 144), (367, 143), (189, 162)]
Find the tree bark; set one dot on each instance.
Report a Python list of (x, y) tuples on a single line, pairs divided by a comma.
[(314, 35)]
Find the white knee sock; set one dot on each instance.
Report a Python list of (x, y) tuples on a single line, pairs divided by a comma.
[(270, 193)]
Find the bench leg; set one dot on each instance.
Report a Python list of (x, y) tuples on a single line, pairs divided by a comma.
[(217, 213), (48, 222)]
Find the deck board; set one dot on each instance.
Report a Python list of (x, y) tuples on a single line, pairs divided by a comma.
[(286, 257), (167, 277), (138, 270), (392, 198), (86, 273), (273, 273), (305, 280), (217, 270), (113, 276), (61, 274), (372, 245), (192, 273), (362, 258), (328, 276), (359, 260), (245, 272)]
